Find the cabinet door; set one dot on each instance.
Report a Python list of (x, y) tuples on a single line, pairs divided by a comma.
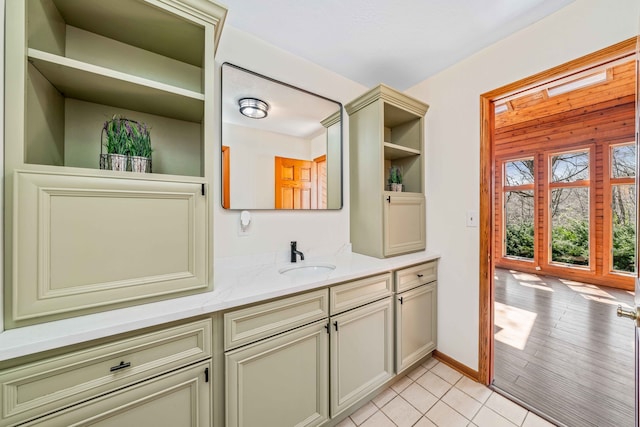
[(87, 243), (404, 223), (178, 399), (416, 326), (281, 381), (361, 352)]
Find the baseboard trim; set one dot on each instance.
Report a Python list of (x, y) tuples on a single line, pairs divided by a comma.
[(453, 363)]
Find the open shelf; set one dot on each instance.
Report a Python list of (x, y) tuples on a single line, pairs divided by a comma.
[(92, 83), (395, 151)]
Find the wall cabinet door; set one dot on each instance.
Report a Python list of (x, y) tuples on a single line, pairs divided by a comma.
[(361, 352), (416, 326), (404, 223), (178, 399), (88, 243), (280, 381)]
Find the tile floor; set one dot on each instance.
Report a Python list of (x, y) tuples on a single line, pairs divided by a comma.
[(433, 394)]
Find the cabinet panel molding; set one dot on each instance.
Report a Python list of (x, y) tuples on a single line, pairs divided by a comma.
[(180, 398), (416, 325), (404, 223), (361, 353), (412, 277), (280, 381), (359, 292), (55, 383), (86, 243), (261, 321)]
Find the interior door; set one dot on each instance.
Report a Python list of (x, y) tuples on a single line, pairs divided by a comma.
[(294, 184), (635, 312)]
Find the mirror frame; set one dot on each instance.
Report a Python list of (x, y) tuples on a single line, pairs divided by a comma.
[(222, 145)]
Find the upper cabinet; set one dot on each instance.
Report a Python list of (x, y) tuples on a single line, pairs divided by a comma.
[(387, 173), (82, 236)]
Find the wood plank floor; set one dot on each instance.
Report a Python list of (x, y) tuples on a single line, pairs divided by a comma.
[(560, 348)]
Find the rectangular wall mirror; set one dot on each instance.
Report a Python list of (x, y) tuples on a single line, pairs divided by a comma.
[(281, 145)]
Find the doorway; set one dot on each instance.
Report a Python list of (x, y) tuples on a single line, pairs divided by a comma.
[(490, 231)]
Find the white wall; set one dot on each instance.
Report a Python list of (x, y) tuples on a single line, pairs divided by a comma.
[(453, 144), (271, 231)]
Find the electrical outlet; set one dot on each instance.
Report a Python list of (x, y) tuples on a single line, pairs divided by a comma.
[(472, 219)]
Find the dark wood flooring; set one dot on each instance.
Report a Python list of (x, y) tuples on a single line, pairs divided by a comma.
[(560, 348)]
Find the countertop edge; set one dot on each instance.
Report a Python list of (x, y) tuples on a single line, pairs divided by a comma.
[(28, 340)]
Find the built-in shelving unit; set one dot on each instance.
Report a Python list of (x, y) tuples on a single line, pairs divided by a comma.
[(72, 65), (386, 130)]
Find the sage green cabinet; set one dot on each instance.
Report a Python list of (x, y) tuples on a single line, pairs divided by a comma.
[(361, 352), (280, 381), (59, 384), (79, 238), (386, 129), (416, 313), (179, 399)]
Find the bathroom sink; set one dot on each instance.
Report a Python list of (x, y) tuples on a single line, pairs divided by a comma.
[(307, 271)]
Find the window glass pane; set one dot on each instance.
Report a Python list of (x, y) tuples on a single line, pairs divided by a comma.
[(623, 208), (570, 167), (623, 161), (518, 172), (570, 225), (518, 214)]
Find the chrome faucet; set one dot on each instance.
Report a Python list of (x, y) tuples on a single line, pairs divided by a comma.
[(295, 251)]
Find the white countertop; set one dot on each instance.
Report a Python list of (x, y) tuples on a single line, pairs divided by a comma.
[(237, 281)]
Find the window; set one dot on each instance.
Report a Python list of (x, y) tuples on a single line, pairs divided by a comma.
[(623, 208), (518, 197), (569, 203)]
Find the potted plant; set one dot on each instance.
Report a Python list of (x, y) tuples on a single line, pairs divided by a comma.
[(139, 147), (125, 140), (395, 178)]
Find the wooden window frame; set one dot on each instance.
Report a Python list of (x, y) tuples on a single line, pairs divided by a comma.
[(504, 258), (548, 187), (609, 182)]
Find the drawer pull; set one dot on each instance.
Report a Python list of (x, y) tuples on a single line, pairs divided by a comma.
[(420, 275), (122, 365)]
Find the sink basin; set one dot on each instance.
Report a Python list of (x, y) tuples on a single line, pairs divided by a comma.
[(307, 271)]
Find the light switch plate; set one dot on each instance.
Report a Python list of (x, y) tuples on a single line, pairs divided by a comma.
[(472, 219)]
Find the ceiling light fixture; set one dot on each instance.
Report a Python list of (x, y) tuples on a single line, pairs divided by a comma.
[(253, 108)]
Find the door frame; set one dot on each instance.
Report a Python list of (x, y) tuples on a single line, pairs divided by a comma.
[(486, 291)]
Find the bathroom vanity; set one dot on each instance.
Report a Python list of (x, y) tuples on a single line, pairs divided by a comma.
[(262, 346)]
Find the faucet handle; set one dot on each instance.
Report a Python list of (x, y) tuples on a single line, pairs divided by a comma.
[(294, 244)]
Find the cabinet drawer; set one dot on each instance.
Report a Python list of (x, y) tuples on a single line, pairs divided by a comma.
[(354, 294), (38, 388), (180, 398), (417, 275), (264, 320)]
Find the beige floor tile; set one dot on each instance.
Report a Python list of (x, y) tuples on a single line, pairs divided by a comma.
[(429, 363), (419, 398), (444, 416), (361, 415), (508, 409), (384, 397), (488, 418), (401, 412), (417, 372), (378, 420), (401, 384), (434, 384), (446, 373), (346, 423), (424, 422), (532, 420), (474, 389), (462, 402)]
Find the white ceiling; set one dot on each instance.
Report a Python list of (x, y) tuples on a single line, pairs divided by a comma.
[(399, 42)]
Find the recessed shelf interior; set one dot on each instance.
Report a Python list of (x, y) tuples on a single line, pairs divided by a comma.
[(402, 146), (89, 60)]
